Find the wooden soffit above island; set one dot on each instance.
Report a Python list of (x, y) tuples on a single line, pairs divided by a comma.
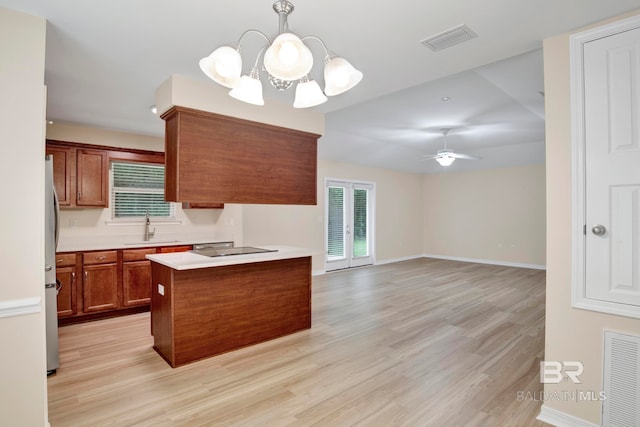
[(211, 157)]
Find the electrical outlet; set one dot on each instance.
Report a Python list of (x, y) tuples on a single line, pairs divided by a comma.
[(160, 289)]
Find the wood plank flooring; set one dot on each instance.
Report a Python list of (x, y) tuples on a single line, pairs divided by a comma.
[(416, 343)]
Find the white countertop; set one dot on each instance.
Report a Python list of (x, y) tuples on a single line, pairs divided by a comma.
[(123, 242), (190, 260)]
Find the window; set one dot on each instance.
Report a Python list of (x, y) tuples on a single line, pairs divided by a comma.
[(138, 188)]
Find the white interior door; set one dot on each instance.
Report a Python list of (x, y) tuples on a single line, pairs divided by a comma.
[(612, 166), (350, 219)]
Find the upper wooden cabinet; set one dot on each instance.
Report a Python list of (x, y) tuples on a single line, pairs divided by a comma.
[(187, 205), (81, 176), (93, 178), (63, 173), (216, 158)]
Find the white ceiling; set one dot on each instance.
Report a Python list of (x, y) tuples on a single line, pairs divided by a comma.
[(106, 59)]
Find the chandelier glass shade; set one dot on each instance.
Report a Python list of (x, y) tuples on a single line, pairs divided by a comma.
[(223, 66), (249, 89), (308, 94), (286, 60)]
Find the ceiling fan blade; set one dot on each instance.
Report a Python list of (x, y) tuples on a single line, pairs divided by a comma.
[(431, 156), (465, 156)]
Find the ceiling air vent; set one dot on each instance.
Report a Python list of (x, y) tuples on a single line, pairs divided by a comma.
[(451, 37)]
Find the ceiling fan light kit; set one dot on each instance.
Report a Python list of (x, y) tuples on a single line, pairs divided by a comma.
[(445, 160), (286, 60), (446, 156)]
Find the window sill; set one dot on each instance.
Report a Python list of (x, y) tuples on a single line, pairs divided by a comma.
[(154, 222)]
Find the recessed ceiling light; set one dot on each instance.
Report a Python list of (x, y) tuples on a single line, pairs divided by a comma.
[(154, 109), (445, 98)]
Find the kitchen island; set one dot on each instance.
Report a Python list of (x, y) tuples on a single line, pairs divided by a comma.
[(203, 306)]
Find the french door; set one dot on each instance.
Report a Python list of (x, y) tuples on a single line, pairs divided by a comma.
[(349, 224)]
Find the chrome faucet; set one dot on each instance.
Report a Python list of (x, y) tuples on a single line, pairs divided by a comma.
[(147, 233)]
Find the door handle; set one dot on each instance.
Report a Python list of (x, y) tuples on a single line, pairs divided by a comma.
[(599, 230)]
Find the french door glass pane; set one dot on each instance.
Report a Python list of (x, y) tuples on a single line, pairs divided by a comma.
[(336, 236), (360, 236)]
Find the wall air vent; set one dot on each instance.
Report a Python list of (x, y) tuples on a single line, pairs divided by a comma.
[(621, 407), (448, 38)]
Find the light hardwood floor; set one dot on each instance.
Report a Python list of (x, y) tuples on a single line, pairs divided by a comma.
[(417, 343)]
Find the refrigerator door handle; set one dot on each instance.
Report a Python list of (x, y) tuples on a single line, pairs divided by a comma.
[(56, 216)]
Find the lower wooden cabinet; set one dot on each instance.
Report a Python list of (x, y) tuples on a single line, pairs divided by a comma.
[(100, 281), (67, 278), (136, 277), (136, 283), (99, 284), (100, 287)]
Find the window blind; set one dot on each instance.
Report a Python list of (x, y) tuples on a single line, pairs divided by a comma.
[(336, 223), (360, 222), (138, 188)]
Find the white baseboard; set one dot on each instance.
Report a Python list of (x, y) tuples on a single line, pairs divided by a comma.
[(561, 419), (19, 307), (392, 260), (487, 261), (450, 258)]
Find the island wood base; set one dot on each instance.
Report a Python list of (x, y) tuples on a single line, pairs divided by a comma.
[(209, 311)]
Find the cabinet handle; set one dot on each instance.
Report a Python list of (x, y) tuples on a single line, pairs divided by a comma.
[(100, 258), (59, 260), (73, 277), (86, 277), (79, 195)]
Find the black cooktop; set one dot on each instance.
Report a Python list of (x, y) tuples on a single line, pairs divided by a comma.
[(231, 251)]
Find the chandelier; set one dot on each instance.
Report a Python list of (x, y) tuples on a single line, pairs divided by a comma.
[(286, 61)]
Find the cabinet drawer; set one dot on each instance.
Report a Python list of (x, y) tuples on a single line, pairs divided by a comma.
[(103, 257), (65, 260), (136, 254), (168, 249)]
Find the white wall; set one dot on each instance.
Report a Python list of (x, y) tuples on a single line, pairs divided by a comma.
[(398, 215), (22, 104), (495, 215), (571, 334)]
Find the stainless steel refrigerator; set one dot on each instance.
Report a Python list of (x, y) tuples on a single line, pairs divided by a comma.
[(50, 283)]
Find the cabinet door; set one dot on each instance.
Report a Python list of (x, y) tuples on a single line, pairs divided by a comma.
[(62, 173), (67, 293), (93, 178), (100, 287), (136, 283)]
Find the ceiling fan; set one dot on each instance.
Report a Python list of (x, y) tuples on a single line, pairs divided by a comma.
[(446, 156)]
